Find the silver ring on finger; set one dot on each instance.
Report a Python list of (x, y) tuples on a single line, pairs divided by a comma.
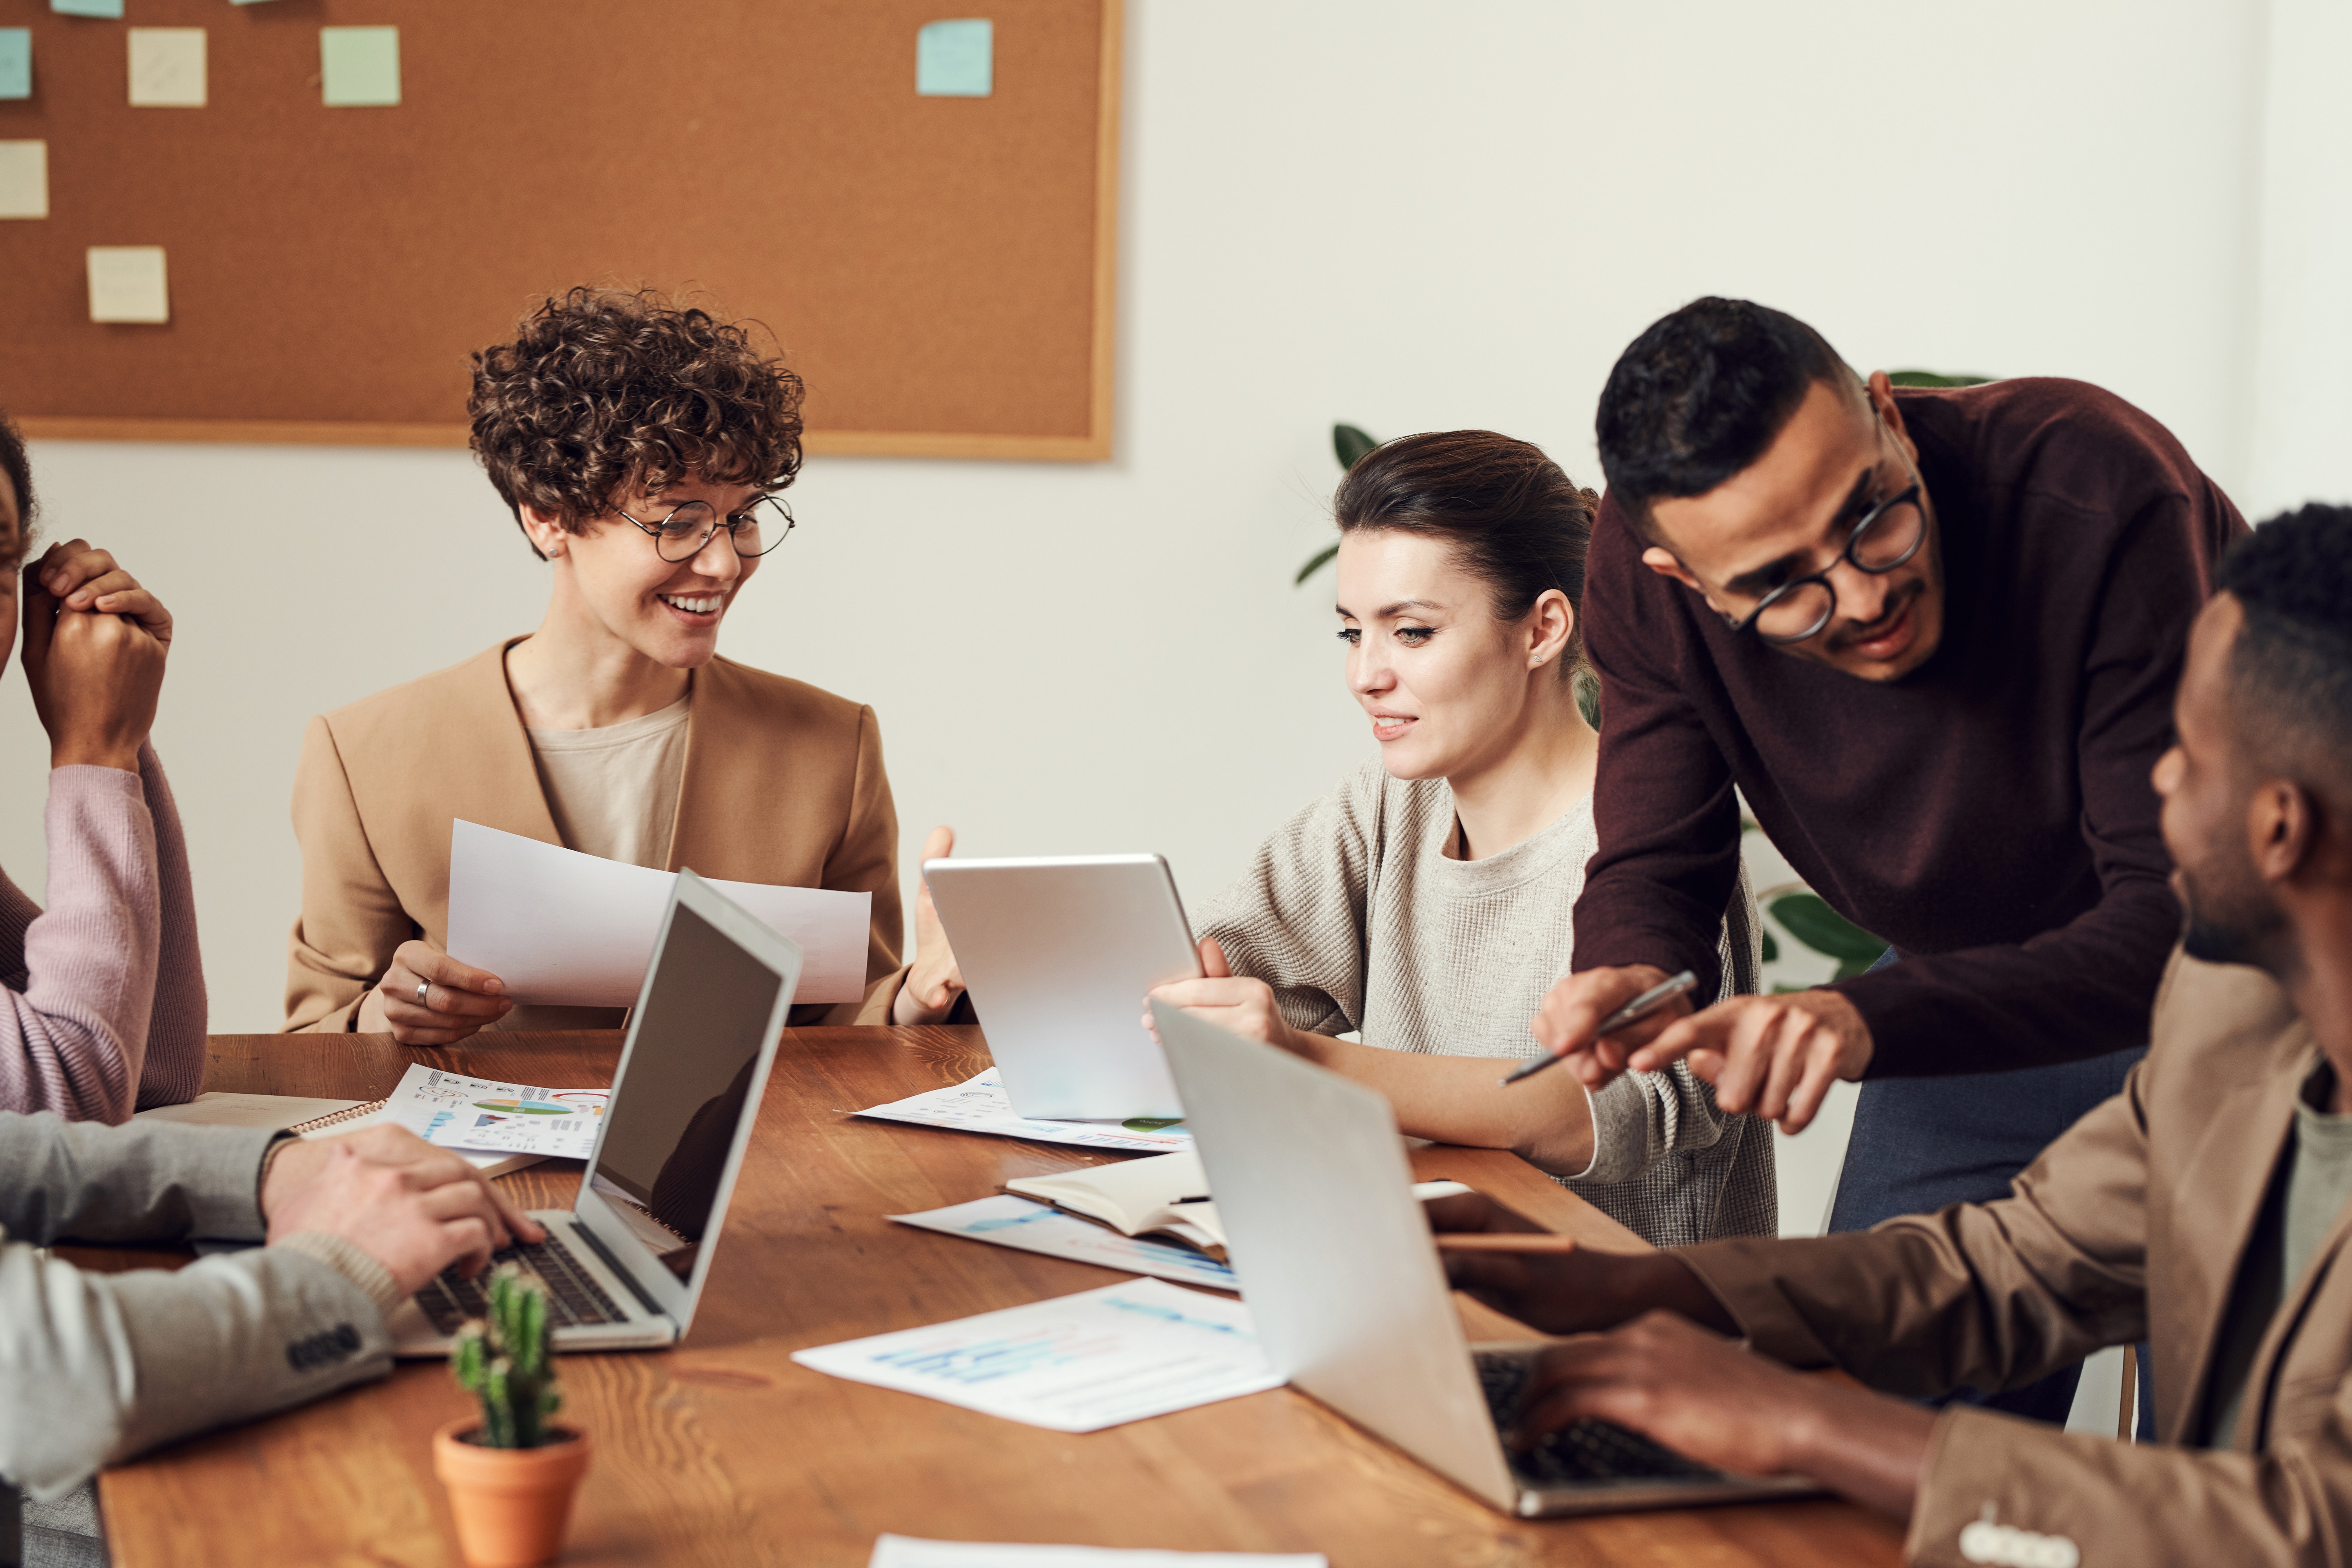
[(422, 987)]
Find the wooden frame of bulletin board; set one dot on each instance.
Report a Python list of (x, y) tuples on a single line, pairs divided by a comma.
[(939, 270)]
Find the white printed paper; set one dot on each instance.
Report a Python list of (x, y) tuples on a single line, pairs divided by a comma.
[(577, 930), (909, 1552), (1076, 1364), (1011, 1221), (980, 1105), (455, 1111)]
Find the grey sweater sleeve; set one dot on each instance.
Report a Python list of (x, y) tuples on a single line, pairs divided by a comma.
[(1643, 1117), (1296, 919), (96, 1367)]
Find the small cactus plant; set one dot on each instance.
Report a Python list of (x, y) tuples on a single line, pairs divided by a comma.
[(503, 1362)]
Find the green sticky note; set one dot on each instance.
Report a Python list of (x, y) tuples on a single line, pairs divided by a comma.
[(359, 67), (15, 62), (956, 60), (88, 8)]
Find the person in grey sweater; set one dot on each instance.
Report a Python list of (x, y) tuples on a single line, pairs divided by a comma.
[(1427, 902), (95, 1368)]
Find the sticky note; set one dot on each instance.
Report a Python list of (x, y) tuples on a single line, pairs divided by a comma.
[(15, 62), (88, 8), (126, 284), (167, 67), (359, 67), (24, 179), (956, 60)]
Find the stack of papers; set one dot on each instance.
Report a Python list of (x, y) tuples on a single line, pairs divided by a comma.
[(980, 1105), (518, 1122), (907, 1552), (1009, 1221), (1076, 1364)]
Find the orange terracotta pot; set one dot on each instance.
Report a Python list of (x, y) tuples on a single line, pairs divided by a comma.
[(512, 1504)]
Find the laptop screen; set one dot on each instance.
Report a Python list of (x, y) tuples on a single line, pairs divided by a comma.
[(695, 1052)]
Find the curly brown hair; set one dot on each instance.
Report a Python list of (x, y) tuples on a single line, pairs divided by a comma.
[(604, 390)]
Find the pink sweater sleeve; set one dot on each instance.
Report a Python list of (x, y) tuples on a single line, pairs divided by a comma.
[(174, 1067), (73, 1035)]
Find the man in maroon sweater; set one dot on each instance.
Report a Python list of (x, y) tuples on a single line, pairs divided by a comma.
[(1933, 637)]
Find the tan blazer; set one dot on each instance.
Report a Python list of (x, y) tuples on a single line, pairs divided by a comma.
[(2131, 1225), (784, 785)]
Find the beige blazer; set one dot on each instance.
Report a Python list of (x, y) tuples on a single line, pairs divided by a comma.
[(2132, 1225), (784, 785)]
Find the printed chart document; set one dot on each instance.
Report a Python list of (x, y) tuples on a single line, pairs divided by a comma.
[(908, 1552), (1009, 1221), (571, 929), (980, 1105), (1076, 1364), (512, 1123)]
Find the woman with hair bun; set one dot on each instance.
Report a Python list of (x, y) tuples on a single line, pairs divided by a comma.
[(641, 450), (1426, 902)]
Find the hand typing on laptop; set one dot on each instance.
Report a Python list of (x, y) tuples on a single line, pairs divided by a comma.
[(1649, 1352), (413, 1208)]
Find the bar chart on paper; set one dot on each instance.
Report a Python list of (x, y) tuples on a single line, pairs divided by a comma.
[(1076, 1364)]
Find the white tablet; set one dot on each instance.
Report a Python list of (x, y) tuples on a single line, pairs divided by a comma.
[(1058, 953)]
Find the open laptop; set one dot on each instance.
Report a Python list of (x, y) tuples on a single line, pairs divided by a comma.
[(1057, 952), (625, 1264), (1351, 1304)]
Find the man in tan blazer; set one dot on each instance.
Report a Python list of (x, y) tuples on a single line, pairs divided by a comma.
[(641, 448), (2205, 1207)]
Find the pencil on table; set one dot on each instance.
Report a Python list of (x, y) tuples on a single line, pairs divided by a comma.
[(1506, 1241)]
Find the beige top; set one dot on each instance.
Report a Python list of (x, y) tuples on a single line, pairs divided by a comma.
[(614, 791), (1357, 918)]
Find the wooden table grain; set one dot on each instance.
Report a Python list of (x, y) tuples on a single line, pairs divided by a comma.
[(724, 1452)]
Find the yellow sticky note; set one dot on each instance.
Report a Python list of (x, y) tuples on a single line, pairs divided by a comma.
[(126, 284), (24, 179), (167, 67)]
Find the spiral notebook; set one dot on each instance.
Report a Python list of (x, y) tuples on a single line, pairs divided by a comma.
[(310, 1116)]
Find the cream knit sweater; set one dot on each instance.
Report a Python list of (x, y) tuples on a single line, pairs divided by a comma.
[(1355, 916)]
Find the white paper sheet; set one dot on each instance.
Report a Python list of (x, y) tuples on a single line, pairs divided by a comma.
[(1076, 1363), (488, 1117), (577, 930), (1011, 1221), (980, 1105), (908, 1552)]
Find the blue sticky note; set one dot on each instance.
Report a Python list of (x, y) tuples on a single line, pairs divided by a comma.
[(88, 8), (359, 67), (956, 60), (15, 62)]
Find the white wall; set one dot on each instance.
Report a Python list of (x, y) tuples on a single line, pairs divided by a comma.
[(1410, 216)]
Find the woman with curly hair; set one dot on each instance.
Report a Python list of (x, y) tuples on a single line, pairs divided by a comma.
[(641, 448)]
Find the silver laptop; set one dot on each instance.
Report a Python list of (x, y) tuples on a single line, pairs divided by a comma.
[(1057, 952), (1343, 1282), (625, 1264)]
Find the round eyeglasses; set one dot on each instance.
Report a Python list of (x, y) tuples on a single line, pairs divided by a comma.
[(755, 530), (1887, 535)]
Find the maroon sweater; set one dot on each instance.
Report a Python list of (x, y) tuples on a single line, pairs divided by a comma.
[(1990, 814)]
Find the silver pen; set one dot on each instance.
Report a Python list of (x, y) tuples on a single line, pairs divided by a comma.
[(1633, 1012)]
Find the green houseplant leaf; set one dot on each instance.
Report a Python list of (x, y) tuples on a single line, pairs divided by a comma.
[(1805, 917), (1348, 443)]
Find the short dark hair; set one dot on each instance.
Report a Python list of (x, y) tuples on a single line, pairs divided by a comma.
[(16, 468), (604, 389), (1514, 520), (2291, 668), (1699, 395)]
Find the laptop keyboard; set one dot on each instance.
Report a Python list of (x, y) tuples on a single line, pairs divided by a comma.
[(573, 1297), (1582, 1451)]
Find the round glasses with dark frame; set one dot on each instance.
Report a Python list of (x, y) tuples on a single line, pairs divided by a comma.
[(755, 530), (1886, 536)]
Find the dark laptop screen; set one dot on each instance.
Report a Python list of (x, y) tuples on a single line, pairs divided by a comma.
[(672, 1120)]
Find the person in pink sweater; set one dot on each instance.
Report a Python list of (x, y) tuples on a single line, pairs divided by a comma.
[(102, 994)]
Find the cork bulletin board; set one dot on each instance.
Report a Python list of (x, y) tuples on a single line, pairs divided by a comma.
[(938, 268)]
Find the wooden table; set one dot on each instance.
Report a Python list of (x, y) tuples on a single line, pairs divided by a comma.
[(724, 1452)]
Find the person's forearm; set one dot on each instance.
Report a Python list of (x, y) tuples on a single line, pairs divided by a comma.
[(1546, 1121), (1865, 1446), (175, 1066)]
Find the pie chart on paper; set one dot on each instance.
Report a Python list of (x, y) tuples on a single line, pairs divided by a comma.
[(524, 1107)]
